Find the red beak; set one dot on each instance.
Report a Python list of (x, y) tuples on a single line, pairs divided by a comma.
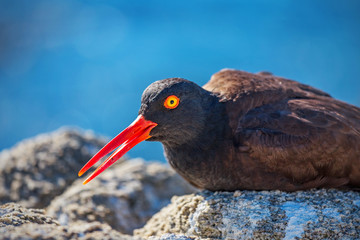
[(135, 133)]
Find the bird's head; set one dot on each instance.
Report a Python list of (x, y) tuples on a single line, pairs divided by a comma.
[(173, 111), (178, 107)]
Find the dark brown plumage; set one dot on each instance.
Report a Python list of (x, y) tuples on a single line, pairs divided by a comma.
[(290, 136), (248, 131)]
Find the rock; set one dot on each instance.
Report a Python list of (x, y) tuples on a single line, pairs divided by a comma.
[(125, 196), (36, 170), (171, 237), (17, 222), (12, 214), (313, 214)]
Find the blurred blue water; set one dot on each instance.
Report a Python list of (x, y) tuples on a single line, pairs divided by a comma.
[(86, 63)]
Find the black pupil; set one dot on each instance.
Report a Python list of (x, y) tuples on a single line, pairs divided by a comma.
[(172, 102)]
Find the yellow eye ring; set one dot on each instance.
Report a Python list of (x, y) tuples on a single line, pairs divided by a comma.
[(171, 102)]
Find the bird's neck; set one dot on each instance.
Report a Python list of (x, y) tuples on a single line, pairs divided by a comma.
[(190, 159)]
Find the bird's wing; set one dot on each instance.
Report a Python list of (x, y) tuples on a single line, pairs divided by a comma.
[(309, 140), (231, 85), (243, 91), (291, 128)]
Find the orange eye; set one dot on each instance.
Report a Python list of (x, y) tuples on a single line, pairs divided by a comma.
[(171, 102)]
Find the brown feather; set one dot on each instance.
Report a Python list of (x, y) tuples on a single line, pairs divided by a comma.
[(290, 136)]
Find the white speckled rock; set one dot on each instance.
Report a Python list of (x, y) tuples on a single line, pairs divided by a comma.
[(171, 237), (313, 214)]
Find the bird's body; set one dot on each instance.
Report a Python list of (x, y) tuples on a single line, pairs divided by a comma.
[(274, 134), (255, 131)]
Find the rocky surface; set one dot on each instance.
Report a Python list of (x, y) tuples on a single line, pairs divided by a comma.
[(168, 236), (314, 214), (42, 172), (17, 222), (125, 196), (36, 170)]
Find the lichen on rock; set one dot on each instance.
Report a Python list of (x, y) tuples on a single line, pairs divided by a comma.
[(17, 222), (125, 196), (37, 169), (313, 214)]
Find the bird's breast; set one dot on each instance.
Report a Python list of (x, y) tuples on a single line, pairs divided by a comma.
[(204, 168)]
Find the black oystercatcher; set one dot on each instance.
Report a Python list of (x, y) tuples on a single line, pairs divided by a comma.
[(246, 131)]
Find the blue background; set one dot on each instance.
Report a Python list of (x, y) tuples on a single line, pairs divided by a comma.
[(86, 63)]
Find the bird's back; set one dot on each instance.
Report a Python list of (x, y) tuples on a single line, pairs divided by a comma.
[(257, 89), (299, 134)]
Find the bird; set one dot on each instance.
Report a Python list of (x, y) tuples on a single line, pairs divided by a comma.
[(246, 131)]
